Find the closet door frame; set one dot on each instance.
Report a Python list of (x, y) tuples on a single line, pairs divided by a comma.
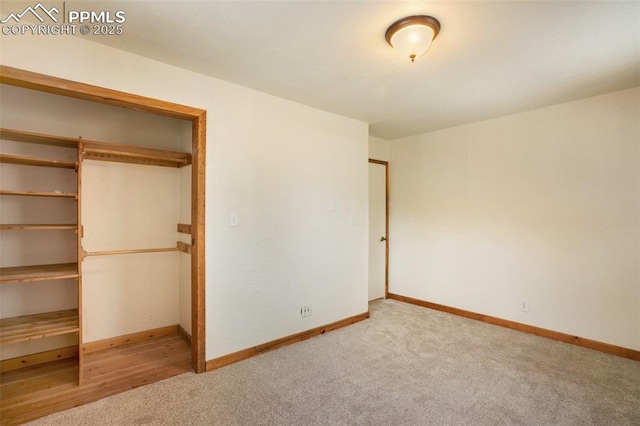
[(58, 86)]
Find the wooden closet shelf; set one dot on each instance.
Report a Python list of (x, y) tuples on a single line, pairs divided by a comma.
[(137, 156), (40, 194), (29, 137), (34, 227), (32, 161), (94, 150), (27, 274), (38, 326)]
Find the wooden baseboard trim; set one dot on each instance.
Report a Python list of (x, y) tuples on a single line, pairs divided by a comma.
[(140, 336), (183, 333), (275, 344), (542, 332), (38, 358)]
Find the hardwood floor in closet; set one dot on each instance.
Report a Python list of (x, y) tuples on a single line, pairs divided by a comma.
[(30, 393)]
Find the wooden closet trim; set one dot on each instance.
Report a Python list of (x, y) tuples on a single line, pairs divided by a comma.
[(88, 92), (59, 86)]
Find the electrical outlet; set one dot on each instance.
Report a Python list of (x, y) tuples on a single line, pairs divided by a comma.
[(524, 306), (305, 310)]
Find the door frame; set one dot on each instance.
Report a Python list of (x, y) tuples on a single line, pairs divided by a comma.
[(386, 223), (59, 86)]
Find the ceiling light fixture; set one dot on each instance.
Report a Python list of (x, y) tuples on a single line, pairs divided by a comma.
[(413, 35)]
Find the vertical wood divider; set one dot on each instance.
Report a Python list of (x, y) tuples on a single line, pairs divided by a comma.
[(79, 234), (198, 325)]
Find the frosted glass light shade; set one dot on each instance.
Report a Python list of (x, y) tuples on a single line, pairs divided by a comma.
[(412, 36)]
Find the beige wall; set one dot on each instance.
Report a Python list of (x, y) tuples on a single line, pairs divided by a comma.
[(541, 207), (129, 206), (378, 148)]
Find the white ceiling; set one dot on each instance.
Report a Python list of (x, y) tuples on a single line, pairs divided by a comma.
[(490, 59)]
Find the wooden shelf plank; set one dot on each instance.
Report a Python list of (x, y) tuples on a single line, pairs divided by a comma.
[(131, 160), (24, 361), (39, 194), (34, 227), (32, 161), (27, 274), (106, 151), (39, 138), (38, 326)]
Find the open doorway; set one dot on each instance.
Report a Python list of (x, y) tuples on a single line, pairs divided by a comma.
[(378, 229)]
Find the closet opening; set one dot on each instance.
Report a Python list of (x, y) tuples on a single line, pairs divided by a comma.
[(105, 193)]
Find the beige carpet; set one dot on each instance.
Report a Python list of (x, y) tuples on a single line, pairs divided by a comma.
[(405, 365)]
